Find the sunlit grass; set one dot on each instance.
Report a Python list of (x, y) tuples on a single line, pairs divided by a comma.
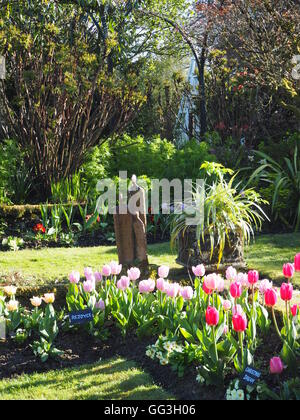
[(114, 379)]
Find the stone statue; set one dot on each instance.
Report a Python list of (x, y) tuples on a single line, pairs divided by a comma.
[(130, 223)]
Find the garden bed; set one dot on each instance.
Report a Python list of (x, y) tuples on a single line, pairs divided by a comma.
[(81, 349)]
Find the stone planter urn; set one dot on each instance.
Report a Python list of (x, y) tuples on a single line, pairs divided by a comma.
[(189, 253)]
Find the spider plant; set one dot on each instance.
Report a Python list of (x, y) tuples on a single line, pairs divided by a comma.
[(227, 210), (284, 177)]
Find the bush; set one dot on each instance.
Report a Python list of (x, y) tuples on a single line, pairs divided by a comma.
[(15, 180), (157, 158)]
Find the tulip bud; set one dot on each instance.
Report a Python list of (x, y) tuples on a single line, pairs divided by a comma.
[(236, 290), (288, 270), (297, 262), (163, 271), (253, 277), (199, 271), (239, 323), (276, 366), (294, 310), (270, 297), (286, 292), (212, 316)]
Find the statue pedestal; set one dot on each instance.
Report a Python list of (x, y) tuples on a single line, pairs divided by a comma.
[(131, 232)]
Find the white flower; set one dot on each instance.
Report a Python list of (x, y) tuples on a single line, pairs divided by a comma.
[(169, 346), (164, 361), (200, 379), (240, 395), (234, 395)]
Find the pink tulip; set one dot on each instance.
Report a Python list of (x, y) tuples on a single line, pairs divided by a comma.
[(98, 277), (231, 273), (243, 279), (88, 286), (123, 283), (173, 290), (253, 277), (239, 323), (226, 329), (264, 285), (270, 297), (276, 366), (115, 268), (297, 262), (134, 274), (288, 270), (212, 316), (212, 281), (187, 293), (161, 285), (74, 277), (236, 290), (106, 270), (206, 290), (286, 292), (221, 285), (163, 271), (147, 286), (100, 305), (88, 273), (294, 310), (199, 271), (227, 305)]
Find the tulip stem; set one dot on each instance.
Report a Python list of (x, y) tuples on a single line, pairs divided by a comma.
[(215, 343), (287, 316), (241, 339), (276, 325)]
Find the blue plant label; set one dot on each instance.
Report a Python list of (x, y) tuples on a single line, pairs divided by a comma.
[(251, 376), (81, 317)]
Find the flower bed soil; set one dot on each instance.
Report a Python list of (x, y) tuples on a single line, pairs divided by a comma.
[(81, 349)]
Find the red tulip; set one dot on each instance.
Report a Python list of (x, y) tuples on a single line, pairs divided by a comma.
[(239, 323), (253, 277), (294, 310), (212, 316), (276, 366), (286, 292), (297, 262), (288, 270), (236, 290), (270, 297)]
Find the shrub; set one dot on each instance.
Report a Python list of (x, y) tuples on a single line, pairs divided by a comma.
[(156, 158)]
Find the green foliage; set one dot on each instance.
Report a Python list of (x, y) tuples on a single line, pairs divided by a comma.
[(157, 158), (222, 208), (14, 178), (285, 181), (75, 189)]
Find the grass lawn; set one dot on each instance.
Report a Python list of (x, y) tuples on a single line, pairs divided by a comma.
[(112, 379), (55, 264), (267, 254)]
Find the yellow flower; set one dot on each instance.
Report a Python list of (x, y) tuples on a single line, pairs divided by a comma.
[(10, 290), (12, 305), (49, 298)]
